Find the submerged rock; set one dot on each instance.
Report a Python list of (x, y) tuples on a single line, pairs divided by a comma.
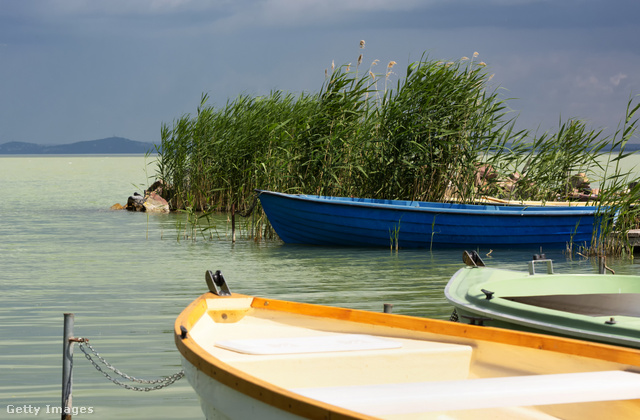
[(154, 203), (135, 203)]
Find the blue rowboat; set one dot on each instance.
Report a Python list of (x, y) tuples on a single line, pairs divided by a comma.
[(346, 221)]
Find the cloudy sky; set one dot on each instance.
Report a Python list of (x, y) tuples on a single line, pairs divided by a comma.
[(74, 70)]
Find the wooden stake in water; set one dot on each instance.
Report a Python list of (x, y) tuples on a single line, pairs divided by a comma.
[(67, 366), (233, 222), (601, 264)]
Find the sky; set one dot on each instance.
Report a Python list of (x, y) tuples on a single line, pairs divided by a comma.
[(76, 70)]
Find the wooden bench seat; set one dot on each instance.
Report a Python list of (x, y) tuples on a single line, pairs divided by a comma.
[(518, 391), (332, 359), (312, 344)]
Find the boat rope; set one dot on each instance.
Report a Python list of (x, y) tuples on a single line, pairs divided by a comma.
[(157, 383), (248, 212)]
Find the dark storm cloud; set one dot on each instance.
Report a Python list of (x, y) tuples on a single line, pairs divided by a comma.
[(74, 70)]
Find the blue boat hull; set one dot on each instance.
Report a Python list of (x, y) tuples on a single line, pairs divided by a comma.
[(322, 220)]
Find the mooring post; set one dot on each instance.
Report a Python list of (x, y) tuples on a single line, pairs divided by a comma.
[(233, 222), (67, 366)]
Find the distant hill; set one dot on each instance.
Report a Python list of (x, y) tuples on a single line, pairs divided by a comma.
[(630, 147), (111, 145), (120, 145)]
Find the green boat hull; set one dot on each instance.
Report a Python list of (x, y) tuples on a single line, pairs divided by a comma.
[(594, 307)]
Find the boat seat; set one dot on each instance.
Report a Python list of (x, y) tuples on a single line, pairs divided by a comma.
[(317, 344), (515, 391), (361, 359)]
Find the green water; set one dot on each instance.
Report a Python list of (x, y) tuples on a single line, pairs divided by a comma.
[(126, 276)]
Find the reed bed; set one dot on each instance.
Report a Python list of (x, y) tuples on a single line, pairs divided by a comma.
[(425, 138)]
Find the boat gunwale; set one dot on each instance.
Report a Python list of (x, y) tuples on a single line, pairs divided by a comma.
[(518, 319), (475, 209), (294, 403), (244, 383)]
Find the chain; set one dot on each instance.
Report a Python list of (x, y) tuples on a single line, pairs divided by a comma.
[(159, 383), (454, 316)]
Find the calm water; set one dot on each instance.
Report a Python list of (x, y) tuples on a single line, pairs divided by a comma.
[(126, 277)]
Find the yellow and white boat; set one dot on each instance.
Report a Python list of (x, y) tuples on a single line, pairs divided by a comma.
[(249, 357)]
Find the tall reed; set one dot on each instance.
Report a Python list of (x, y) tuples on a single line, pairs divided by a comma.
[(423, 139), (433, 129), (619, 205)]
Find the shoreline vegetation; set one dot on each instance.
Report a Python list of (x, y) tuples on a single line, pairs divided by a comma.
[(439, 133)]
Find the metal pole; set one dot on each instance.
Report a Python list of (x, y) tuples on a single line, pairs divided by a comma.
[(67, 366), (601, 264)]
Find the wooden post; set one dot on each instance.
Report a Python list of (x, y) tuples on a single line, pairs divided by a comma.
[(67, 366), (233, 222)]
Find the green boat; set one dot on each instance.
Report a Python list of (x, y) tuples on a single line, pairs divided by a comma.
[(594, 307)]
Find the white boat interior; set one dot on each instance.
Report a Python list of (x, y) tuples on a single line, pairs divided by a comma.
[(374, 369)]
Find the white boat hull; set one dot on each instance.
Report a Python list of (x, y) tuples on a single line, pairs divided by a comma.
[(220, 402), (250, 357)]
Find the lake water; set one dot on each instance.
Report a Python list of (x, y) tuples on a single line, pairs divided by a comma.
[(126, 276)]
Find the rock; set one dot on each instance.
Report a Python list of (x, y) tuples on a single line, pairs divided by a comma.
[(581, 188), (579, 181), (151, 201), (135, 203), (117, 206), (157, 187), (154, 203), (485, 174)]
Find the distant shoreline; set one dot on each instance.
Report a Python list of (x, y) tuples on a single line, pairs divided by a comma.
[(53, 155), (119, 146), (108, 146)]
